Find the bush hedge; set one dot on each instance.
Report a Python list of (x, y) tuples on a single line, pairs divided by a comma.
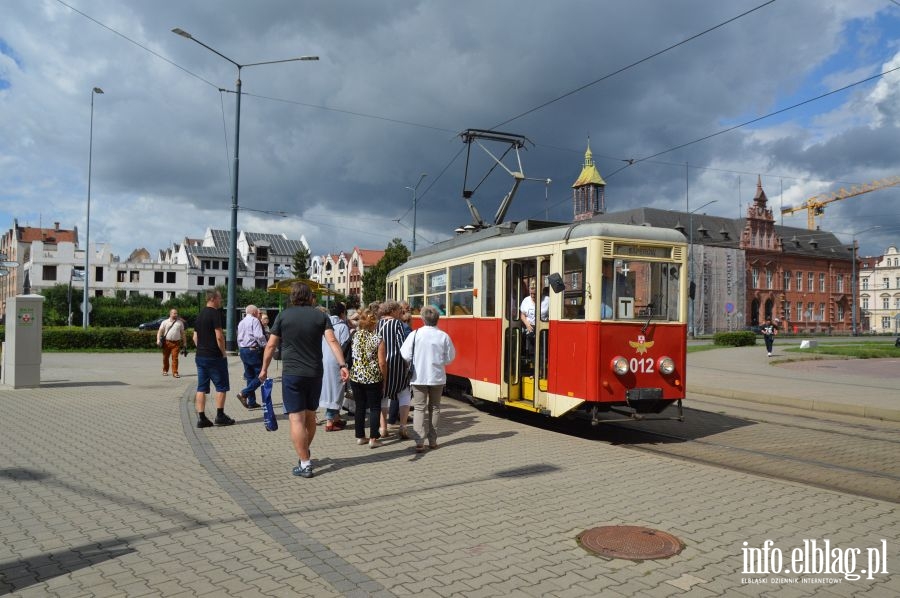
[(71, 338), (742, 338)]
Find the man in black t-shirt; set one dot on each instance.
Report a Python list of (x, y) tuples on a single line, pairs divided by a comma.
[(212, 365), (300, 330)]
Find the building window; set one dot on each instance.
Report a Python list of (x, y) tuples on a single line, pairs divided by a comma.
[(170, 277), (158, 295), (885, 303), (158, 277), (840, 313), (822, 312), (211, 281), (887, 282), (810, 281), (199, 281), (799, 281), (821, 283), (885, 322), (809, 310), (800, 310), (840, 283), (98, 274), (787, 310), (769, 275), (134, 276), (754, 276), (865, 284), (120, 276), (896, 302), (49, 273), (864, 303), (787, 280), (262, 254)]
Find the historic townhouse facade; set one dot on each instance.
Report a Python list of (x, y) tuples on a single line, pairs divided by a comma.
[(48, 257), (343, 272), (879, 292)]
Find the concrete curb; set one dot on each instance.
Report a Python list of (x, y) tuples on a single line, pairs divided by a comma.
[(879, 413)]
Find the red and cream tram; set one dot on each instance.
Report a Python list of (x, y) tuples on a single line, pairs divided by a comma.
[(609, 331)]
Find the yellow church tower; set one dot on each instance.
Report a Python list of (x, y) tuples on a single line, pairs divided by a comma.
[(588, 190)]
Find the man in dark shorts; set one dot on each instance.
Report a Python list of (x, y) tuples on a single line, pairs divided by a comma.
[(299, 329), (212, 365)]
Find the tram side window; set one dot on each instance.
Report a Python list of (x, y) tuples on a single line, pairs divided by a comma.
[(488, 283), (574, 262), (436, 290), (462, 281), (415, 284)]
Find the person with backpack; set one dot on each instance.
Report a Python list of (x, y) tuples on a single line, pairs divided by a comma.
[(332, 395)]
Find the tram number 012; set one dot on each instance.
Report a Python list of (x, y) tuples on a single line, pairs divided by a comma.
[(644, 366)]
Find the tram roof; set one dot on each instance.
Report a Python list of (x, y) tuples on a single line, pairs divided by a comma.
[(530, 232)]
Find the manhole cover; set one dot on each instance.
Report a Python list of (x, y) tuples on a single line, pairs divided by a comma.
[(630, 542)]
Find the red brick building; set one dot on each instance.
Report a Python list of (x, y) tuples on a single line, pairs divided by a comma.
[(799, 276)]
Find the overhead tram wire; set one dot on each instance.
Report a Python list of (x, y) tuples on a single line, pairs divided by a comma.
[(633, 161), (750, 122), (633, 64), (139, 45)]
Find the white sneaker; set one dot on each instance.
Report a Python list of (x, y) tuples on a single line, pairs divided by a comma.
[(770, 355), (361, 441), (375, 443)]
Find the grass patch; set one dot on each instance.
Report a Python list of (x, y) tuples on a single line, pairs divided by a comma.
[(862, 350), (699, 348)]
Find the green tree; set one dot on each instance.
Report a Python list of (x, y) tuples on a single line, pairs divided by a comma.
[(375, 277), (301, 263)]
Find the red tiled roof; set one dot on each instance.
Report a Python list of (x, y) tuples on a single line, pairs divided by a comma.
[(370, 257), (27, 234)]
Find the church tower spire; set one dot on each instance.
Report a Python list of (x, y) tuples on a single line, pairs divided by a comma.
[(589, 189)]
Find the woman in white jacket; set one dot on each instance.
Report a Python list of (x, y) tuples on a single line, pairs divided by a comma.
[(429, 350)]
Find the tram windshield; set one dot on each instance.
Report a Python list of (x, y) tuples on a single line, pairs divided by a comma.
[(634, 289)]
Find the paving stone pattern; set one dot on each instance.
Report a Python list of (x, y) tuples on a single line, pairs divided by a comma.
[(108, 489)]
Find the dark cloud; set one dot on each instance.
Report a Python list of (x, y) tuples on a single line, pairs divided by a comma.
[(335, 142)]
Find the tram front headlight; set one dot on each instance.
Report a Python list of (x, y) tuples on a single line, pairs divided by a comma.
[(666, 365), (619, 365)]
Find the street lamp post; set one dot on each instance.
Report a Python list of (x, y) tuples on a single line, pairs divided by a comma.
[(86, 306), (413, 189), (691, 265), (853, 285), (230, 336)]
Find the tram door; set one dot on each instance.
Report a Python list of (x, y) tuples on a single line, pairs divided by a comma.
[(525, 355)]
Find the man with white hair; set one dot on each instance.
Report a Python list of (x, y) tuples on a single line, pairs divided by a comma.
[(251, 339)]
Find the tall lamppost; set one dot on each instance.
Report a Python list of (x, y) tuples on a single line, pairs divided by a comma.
[(86, 307), (230, 336), (853, 285), (413, 189), (691, 266)]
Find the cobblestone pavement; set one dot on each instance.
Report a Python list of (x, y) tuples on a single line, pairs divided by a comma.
[(108, 490)]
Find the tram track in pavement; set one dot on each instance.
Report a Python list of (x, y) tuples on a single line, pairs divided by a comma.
[(837, 454)]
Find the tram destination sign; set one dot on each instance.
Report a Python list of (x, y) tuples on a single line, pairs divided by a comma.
[(643, 251)]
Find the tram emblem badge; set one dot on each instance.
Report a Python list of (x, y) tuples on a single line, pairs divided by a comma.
[(641, 345)]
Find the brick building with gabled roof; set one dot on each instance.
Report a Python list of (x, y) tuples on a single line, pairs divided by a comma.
[(746, 269)]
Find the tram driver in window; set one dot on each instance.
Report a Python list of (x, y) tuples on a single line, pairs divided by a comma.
[(527, 316)]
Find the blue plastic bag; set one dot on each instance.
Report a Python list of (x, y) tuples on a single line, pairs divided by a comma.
[(268, 410)]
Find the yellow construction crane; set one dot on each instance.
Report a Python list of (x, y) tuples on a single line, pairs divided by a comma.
[(815, 205)]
